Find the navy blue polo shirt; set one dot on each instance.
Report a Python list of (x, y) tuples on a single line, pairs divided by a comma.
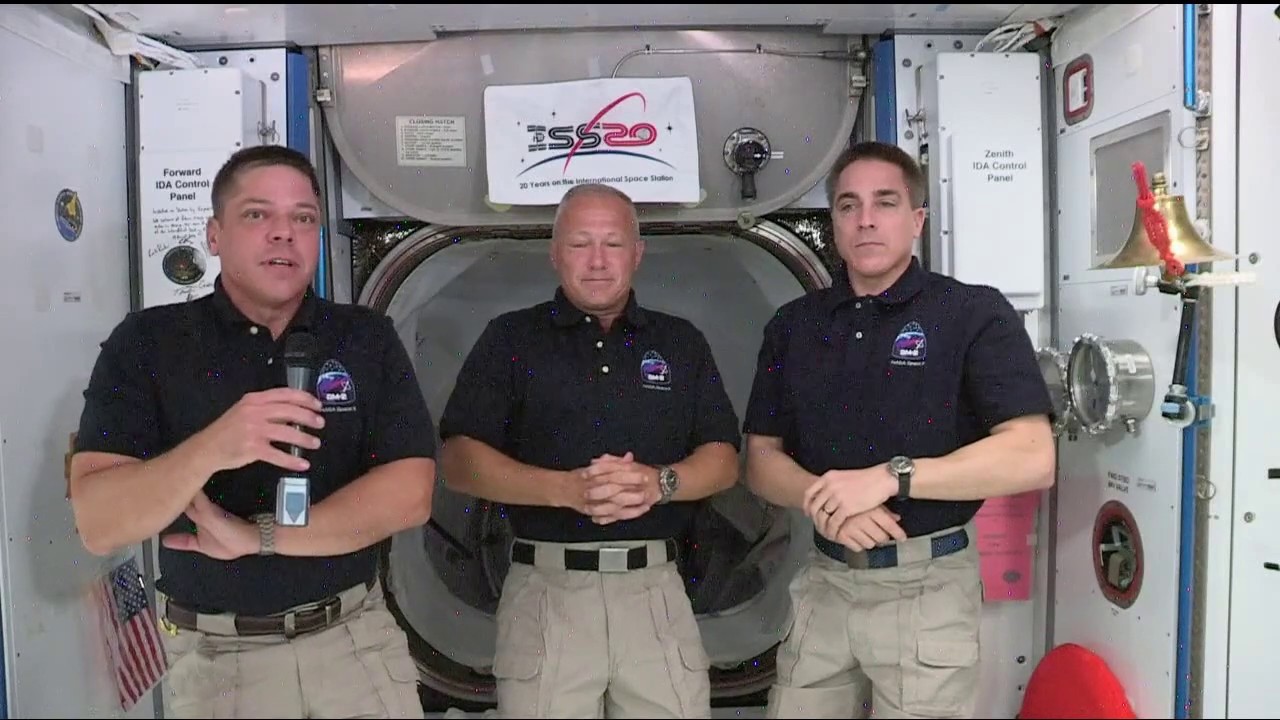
[(167, 372), (549, 387), (922, 369)]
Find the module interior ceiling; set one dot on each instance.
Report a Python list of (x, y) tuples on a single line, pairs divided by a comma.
[(311, 24)]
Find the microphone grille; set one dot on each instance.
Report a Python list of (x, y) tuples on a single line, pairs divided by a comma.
[(300, 349)]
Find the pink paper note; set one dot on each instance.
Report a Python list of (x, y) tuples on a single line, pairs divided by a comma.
[(1005, 526), (1006, 573)]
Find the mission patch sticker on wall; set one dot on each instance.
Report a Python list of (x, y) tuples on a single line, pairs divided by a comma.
[(68, 214)]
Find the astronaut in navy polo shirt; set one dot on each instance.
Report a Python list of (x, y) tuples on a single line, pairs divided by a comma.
[(598, 424), (889, 407)]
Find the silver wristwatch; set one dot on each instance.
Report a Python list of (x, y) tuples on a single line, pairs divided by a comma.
[(668, 483), (903, 469), (266, 533)]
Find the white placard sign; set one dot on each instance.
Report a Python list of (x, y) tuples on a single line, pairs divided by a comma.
[(189, 124), (176, 203), (635, 134)]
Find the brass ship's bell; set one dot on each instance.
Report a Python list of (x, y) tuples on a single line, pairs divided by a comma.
[(1187, 245)]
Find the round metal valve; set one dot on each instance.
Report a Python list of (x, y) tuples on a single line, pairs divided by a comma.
[(1110, 382), (746, 150)]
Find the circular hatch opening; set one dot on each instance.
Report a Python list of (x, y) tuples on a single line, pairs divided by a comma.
[(441, 287)]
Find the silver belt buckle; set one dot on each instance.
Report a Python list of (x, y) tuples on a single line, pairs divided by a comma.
[(857, 559), (613, 560)]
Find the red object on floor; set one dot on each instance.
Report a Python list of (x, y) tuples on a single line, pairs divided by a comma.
[(1073, 682)]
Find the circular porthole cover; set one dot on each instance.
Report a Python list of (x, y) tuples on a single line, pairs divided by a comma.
[(1110, 382), (1118, 562), (1054, 368)]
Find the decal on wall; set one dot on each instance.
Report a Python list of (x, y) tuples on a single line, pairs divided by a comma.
[(68, 214), (183, 264)]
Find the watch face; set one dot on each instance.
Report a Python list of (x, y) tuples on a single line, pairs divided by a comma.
[(900, 464), (668, 480)]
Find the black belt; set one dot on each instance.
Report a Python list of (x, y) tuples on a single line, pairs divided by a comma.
[(603, 560), (886, 556), (290, 624)]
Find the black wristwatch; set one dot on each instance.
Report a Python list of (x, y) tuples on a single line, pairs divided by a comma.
[(903, 469), (668, 483)]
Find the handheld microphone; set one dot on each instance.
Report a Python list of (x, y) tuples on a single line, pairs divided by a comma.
[(293, 493)]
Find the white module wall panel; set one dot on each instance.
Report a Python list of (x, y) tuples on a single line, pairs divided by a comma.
[(982, 114), (189, 123)]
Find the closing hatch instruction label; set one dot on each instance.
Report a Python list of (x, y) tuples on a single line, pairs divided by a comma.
[(431, 141)]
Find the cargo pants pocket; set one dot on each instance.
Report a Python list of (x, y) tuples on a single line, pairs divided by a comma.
[(520, 655), (383, 650), (688, 665), (940, 664), (941, 680)]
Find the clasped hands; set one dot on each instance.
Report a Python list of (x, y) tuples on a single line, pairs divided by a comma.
[(614, 488), (847, 507)]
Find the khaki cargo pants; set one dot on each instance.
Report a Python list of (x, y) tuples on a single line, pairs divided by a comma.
[(606, 643), (357, 666), (910, 631)]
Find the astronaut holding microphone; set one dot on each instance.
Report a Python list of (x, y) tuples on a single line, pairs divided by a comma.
[(271, 439)]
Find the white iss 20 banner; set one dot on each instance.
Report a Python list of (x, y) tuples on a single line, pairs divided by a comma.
[(638, 135)]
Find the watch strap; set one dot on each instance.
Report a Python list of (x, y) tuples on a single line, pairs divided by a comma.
[(904, 485), (668, 481), (266, 533), (903, 469)]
